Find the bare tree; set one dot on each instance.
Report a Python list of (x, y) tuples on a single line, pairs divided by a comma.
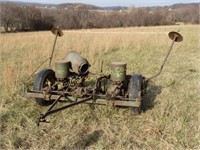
[(14, 17), (8, 15)]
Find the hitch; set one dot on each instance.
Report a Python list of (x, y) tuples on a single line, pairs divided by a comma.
[(50, 111)]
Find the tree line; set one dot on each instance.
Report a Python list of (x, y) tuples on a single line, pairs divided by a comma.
[(15, 17)]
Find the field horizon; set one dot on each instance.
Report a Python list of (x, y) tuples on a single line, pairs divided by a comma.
[(172, 113)]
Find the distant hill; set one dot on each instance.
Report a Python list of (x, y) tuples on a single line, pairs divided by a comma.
[(78, 6), (116, 8), (28, 3), (88, 7), (181, 5), (21, 16), (93, 7)]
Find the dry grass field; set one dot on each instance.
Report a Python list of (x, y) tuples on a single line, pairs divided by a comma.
[(171, 118)]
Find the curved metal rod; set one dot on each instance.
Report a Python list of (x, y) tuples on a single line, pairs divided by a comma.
[(53, 50), (176, 38), (36, 70), (57, 32)]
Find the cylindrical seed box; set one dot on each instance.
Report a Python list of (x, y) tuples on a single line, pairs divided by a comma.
[(118, 71), (62, 69)]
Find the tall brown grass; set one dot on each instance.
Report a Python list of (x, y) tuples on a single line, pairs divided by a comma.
[(171, 119)]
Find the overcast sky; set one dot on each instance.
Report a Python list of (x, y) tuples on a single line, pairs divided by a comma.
[(114, 2)]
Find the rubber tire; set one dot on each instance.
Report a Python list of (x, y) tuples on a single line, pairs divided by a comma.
[(134, 89), (39, 84)]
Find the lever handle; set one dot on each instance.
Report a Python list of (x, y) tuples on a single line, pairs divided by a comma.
[(175, 37)]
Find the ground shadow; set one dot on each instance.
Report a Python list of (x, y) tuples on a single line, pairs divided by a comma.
[(87, 140), (92, 138), (148, 101), (153, 90)]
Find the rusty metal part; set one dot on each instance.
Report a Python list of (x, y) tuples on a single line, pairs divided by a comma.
[(100, 99), (118, 71), (62, 69), (176, 37), (114, 90), (98, 84), (79, 64), (80, 92), (47, 92)]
